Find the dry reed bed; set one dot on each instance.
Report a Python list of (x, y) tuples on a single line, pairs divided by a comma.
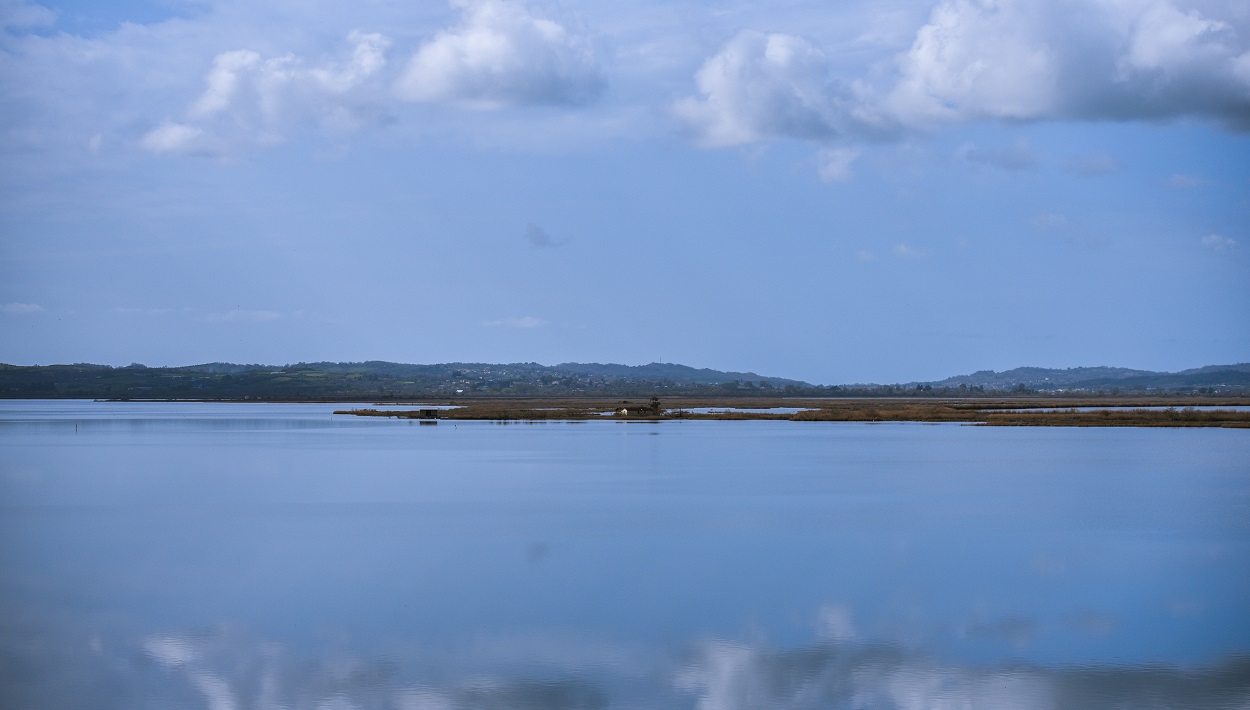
[(850, 410)]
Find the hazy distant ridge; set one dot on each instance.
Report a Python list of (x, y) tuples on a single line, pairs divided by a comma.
[(376, 380), (1097, 378), (662, 371), (656, 371)]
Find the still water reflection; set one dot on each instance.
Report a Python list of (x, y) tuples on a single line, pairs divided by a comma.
[(264, 556)]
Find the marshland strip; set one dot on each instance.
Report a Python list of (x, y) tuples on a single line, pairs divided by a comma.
[(1032, 411)]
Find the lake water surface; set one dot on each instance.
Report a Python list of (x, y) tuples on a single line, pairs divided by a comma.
[(187, 555)]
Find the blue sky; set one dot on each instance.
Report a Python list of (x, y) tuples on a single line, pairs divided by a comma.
[(868, 191)]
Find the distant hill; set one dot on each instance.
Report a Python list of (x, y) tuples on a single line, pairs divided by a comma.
[(654, 372), (1095, 379), (662, 371), (378, 380)]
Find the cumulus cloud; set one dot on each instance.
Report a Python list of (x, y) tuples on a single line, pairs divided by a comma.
[(153, 86), (835, 163), (502, 55), (223, 82), (963, 64), (986, 60), (170, 137), (17, 14), (237, 77), (764, 85), (1166, 38), (20, 309), (250, 98), (1069, 60)]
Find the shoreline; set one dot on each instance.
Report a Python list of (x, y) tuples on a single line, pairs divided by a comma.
[(1102, 411), (996, 412)]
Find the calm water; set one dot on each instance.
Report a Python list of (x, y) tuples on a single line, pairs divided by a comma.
[(275, 556)]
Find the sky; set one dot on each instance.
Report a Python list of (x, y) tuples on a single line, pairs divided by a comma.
[(883, 191)]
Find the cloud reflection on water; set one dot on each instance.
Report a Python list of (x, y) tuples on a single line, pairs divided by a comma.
[(367, 566), (730, 676), (229, 669)]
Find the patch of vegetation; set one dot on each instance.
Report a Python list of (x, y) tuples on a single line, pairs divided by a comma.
[(989, 413), (396, 382)]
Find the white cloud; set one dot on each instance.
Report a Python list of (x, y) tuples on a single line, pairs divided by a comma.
[(252, 75), (20, 309), (979, 60), (1069, 60), (1182, 181), (501, 55), (18, 14), (1166, 37), (524, 322), (963, 65), (865, 255), (223, 82), (764, 85), (1216, 242), (250, 99), (240, 315), (174, 138), (835, 163), (249, 74), (368, 58), (126, 310), (903, 251)]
